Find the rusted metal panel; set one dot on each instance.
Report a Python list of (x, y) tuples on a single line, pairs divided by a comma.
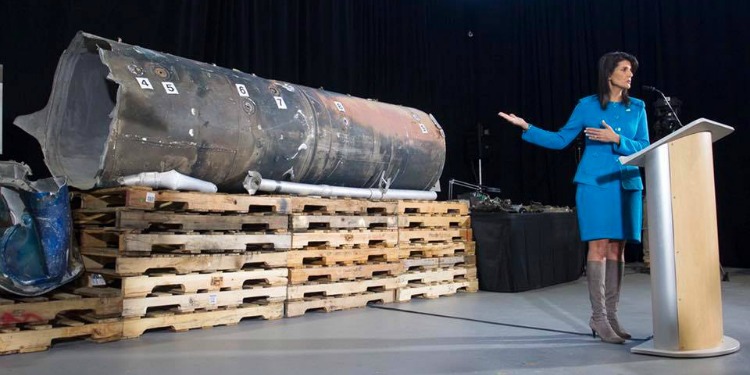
[(118, 109)]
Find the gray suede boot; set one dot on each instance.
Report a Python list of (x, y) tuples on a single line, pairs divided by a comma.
[(612, 285), (599, 323)]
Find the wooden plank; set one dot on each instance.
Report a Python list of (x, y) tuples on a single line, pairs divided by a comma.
[(296, 292), (141, 286), (412, 207), (436, 290), (143, 244), (217, 202), (182, 322), (430, 250), (420, 263), (410, 236), (181, 264), (452, 261), (328, 304), (333, 239), (136, 197), (336, 273), (431, 276), (427, 221), (331, 257), (470, 260), (332, 206), (163, 221), (312, 222), (137, 307)]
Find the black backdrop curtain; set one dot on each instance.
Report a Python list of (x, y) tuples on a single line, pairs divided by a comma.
[(461, 60)]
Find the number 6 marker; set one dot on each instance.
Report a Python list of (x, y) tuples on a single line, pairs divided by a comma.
[(242, 90)]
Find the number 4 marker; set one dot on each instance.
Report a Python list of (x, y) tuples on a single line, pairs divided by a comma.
[(144, 83)]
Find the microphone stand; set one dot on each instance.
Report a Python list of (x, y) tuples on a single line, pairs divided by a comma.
[(666, 100)]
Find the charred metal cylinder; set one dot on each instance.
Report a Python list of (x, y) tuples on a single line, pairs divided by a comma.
[(118, 110)]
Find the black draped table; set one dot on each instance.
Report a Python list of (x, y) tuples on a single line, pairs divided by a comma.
[(519, 252)]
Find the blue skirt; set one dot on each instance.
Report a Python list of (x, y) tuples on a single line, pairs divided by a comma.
[(609, 212)]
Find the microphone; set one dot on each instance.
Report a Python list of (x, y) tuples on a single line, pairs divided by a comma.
[(666, 100)]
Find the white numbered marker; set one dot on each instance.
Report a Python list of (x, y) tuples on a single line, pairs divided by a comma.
[(150, 197), (423, 128), (242, 90), (170, 88), (280, 102), (145, 83), (339, 106), (212, 299)]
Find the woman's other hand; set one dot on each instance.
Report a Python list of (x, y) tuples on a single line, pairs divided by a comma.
[(515, 120), (605, 135)]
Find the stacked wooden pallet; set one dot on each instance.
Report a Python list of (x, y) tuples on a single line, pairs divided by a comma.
[(185, 260), (436, 249), (344, 254), (31, 324)]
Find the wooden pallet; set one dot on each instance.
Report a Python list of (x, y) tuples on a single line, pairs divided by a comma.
[(135, 327), (137, 244), (35, 338), (336, 273), (431, 250), (165, 221), (314, 222), (332, 257), (334, 239), (435, 290), (412, 207), (16, 311), (109, 260), (148, 199), (431, 276), (423, 236), (298, 292), (428, 221), (142, 286), (411, 264), (185, 303), (342, 302), (333, 206)]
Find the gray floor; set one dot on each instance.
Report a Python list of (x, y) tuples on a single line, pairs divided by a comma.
[(378, 341)]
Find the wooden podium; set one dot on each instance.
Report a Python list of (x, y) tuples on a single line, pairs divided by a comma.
[(684, 243)]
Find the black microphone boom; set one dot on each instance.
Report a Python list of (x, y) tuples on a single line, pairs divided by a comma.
[(666, 100)]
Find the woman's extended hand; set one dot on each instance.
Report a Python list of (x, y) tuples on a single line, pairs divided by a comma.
[(515, 120), (605, 135)]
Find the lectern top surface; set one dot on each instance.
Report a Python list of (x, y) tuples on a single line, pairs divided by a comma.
[(717, 130)]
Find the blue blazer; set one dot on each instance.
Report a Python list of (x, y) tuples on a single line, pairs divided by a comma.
[(599, 164)]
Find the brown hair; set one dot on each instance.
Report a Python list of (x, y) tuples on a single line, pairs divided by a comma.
[(607, 65)]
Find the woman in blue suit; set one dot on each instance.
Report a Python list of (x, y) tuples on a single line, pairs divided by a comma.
[(608, 194)]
